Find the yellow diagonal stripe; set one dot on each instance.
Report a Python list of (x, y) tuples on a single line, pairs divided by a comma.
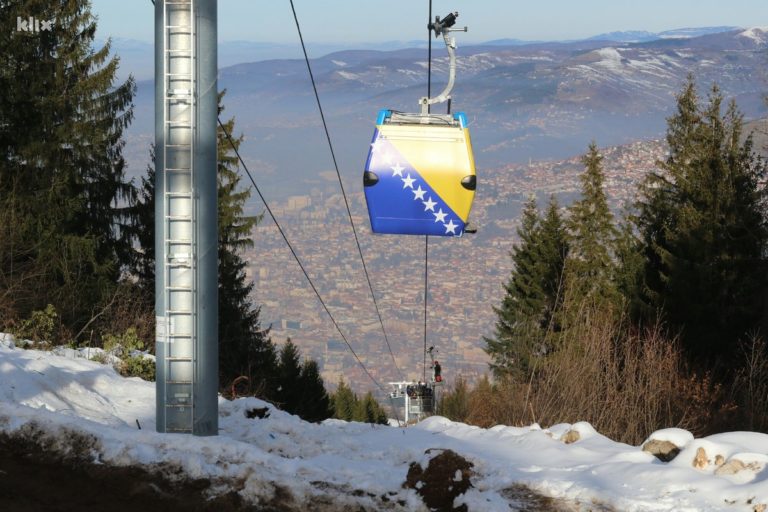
[(442, 155)]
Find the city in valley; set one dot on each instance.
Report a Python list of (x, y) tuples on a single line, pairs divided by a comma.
[(465, 279)]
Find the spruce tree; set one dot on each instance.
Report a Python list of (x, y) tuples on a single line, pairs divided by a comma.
[(288, 393), (533, 293), (143, 230), (343, 402), (661, 190), (62, 183), (300, 389), (244, 348), (702, 221), (554, 249), (628, 273), (591, 267), (510, 346), (314, 404), (368, 410), (348, 407)]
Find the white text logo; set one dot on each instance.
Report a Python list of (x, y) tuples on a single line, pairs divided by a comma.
[(32, 24)]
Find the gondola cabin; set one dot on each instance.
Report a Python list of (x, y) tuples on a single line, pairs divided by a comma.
[(416, 399), (420, 174)]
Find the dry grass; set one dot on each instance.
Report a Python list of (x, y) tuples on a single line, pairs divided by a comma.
[(626, 382)]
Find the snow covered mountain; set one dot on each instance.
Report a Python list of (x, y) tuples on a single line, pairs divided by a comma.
[(626, 36), (640, 36), (550, 98), (534, 101), (83, 414)]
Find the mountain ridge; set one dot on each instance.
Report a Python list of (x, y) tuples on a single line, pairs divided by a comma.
[(544, 100)]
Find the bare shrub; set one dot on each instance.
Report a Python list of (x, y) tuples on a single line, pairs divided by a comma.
[(39, 327), (128, 308), (750, 387), (627, 382), (485, 401)]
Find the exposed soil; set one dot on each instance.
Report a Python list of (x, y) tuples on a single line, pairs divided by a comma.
[(42, 473), (524, 499), (447, 476), (35, 479)]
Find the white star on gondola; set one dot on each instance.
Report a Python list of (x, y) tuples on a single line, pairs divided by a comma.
[(418, 193), (450, 227), (440, 216), (376, 145), (397, 170), (408, 181), (429, 204)]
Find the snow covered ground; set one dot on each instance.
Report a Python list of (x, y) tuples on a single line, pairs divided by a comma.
[(61, 393)]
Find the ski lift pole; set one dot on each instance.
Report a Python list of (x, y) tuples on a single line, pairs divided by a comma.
[(444, 27)]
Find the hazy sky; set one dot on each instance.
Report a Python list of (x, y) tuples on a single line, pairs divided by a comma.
[(349, 21)]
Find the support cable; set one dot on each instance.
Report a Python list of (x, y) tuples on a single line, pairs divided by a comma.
[(343, 192), (426, 295), (426, 238), (296, 257)]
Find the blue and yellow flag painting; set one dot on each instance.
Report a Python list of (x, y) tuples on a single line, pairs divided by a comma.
[(419, 169)]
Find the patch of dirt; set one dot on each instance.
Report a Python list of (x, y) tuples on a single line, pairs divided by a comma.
[(524, 499), (42, 472), (257, 412), (58, 473), (37, 473), (446, 477)]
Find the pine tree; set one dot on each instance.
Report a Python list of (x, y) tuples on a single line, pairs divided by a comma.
[(314, 403), (659, 193), (300, 389), (591, 267), (368, 410), (288, 393), (62, 183), (554, 250), (244, 348), (628, 275), (143, 230), (343, 402), (702, 221), (523, 299), (348, 407), (533, 293)]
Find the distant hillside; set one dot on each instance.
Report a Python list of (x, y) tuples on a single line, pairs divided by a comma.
[(637, 36), (759, 131), (541, 100)]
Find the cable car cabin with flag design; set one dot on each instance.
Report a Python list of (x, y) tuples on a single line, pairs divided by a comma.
[(420, 174), (419, 177)]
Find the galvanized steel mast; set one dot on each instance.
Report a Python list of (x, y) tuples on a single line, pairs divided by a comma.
[(186, 226)]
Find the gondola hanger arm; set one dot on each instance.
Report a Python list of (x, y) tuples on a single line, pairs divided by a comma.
[(444, 27)]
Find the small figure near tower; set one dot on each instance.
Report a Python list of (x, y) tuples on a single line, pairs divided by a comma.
[(437, 369)]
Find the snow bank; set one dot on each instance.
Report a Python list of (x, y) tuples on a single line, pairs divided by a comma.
[(342, 462)]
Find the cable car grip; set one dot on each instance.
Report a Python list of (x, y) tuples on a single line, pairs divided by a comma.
[(443, 26)]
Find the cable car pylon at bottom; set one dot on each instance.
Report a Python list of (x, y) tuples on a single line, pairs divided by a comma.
[(420, 177)]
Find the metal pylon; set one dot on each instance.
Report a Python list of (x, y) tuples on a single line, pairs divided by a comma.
[(180, 265)]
